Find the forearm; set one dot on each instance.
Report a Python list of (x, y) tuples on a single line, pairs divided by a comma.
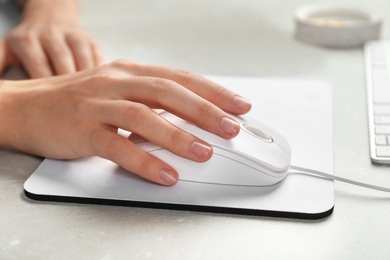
[(62, 10)]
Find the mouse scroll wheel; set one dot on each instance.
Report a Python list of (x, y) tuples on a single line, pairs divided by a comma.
[(257, 132)]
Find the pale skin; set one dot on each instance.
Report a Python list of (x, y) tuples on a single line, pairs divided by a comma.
[(49, 41), (78, 114)]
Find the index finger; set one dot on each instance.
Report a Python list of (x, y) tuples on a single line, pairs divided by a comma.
[(225, 99)]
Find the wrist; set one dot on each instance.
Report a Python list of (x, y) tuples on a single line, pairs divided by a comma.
[(8, 103), (3, 113), (50, 10)]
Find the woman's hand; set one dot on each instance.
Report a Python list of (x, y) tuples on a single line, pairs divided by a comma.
[(49, 41), (79, 114)]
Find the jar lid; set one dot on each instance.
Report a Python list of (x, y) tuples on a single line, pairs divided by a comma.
[(336, 26)]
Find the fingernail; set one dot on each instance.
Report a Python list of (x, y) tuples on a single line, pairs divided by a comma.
[(229, 126), (242, 102), (200, 150), (168, 176)]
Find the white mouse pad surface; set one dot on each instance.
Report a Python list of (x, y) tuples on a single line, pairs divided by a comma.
[(301, 110)]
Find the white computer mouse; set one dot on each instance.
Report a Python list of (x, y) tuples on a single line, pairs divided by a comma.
[(257, 156)]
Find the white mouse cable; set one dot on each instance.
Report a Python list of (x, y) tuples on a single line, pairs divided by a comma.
[(332, 177)]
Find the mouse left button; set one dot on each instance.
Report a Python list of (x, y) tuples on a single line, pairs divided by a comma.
[(258, 132)]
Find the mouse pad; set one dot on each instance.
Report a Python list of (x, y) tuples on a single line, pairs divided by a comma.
[(301, 110)]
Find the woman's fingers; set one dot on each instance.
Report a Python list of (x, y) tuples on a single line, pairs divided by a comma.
[(72, 52), (97, 53), (225, 99), (169, 95), (82, 51), (140, 119), (59, 54), (32, 56), (122, 151), (4, 60)]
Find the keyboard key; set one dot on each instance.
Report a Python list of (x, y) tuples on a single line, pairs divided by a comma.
[(382, 129), (383, 151), (382, 120), (381, 94), (380, 76), (381, 140), (382, 109)]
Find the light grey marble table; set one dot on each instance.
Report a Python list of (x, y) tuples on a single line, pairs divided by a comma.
[(215, 37)]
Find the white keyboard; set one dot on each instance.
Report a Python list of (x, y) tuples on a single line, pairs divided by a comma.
[(377, 62)]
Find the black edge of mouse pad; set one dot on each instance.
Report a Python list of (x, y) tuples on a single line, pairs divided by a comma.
[(171, 206)]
